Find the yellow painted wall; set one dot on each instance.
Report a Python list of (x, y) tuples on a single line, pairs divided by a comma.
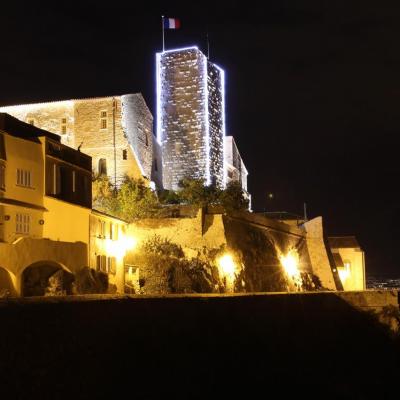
[(66, 222), (104, 245), (25, 155)]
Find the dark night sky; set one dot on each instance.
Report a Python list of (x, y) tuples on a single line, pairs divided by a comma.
[(313, 92)]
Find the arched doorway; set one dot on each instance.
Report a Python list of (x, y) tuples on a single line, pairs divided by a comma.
[(6, 284), (46, 278)]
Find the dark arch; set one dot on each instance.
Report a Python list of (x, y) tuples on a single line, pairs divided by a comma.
[(46, 277), (102, 166), (6, 284)]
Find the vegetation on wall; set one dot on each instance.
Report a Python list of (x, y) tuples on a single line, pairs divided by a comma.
[(133, 199), (164, 268)]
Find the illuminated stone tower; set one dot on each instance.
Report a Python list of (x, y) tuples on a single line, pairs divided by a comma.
[(190, 117)]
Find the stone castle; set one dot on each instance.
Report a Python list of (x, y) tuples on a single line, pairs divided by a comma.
[(48, 152)]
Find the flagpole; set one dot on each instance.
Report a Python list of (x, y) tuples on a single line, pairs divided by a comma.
[(163, 40)]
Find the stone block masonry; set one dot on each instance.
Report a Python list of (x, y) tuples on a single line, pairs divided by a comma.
[(115, 131)]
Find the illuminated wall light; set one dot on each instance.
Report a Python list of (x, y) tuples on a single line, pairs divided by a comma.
[(290, 263), (180, 49), (158, 94), (118, 248), (344, 272), (222, 72), (206, 116), (227, 265)]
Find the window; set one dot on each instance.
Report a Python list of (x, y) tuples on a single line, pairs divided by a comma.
[(22, 223), (111, 231), (111, 265), (101, 263), (74, 181), (106, 264), (63, 126), (103, 120), (102, 166), (2, 177), (147, 138), (56, 180), (23, 178), (124, 155), (102, 228)]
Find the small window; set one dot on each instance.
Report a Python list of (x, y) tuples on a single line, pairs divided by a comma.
[(101, 263), (103, 119), (147, 138), (124, 155), (63, 126), (102, 166), (23, 178), (102, 228), (2, 177), (111, 265), (111, 231), (22, 223), (74, 181)]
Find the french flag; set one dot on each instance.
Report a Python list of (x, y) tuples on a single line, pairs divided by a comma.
[(172, 23)]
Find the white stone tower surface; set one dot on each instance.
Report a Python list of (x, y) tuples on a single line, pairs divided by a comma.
[(190, 117)]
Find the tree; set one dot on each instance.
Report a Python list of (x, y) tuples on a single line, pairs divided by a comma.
[(194, 191), (232, 198), (135, 200), (103, 194)]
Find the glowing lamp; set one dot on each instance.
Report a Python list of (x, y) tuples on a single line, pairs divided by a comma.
[(227, 265), (290, 263)]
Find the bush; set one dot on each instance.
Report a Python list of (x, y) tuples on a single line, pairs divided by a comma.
[(90, 281)]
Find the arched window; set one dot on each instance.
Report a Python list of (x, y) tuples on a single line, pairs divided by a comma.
[(102, 166)]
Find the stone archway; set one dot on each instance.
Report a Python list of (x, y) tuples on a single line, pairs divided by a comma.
[(46, 278), (6, 284)]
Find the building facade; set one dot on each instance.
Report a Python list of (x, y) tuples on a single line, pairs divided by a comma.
[(349, 261), (190, 117), (116, 132), (47, 225)]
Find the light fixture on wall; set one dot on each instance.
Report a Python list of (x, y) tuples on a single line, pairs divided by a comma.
[(41, 221), (6, 218)]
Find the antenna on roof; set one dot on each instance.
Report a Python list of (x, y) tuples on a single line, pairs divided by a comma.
[(305, 212), (79, 147)]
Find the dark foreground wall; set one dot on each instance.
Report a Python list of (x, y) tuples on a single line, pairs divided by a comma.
[(194, 347)]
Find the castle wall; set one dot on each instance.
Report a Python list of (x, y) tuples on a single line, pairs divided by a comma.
[(126, 142), (137, 123), (318, 254), (48, 116)]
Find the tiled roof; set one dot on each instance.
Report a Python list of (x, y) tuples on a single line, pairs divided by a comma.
[(342, 242)]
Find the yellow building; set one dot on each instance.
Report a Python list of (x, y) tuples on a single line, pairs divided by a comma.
[(349, 260), (46, 218)]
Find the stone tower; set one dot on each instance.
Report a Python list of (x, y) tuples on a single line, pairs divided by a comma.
[(190, 117)]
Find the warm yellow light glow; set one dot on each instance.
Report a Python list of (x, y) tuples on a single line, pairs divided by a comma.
[(344, 272), (290, 263), (227, 265), (118, 248)]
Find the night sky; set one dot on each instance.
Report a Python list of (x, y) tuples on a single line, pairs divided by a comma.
[(313, 92)]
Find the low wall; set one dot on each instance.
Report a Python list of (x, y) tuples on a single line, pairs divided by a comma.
[(198, 346)]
